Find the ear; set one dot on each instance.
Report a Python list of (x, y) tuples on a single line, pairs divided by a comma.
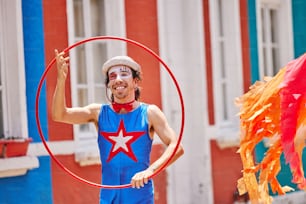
[(136, 82)]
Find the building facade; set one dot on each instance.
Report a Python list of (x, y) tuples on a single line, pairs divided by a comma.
[(215, 49)]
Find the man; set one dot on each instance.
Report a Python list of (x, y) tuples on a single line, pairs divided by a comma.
[(125, 130)]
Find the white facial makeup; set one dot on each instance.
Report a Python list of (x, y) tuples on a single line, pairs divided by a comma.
[(121, 71)]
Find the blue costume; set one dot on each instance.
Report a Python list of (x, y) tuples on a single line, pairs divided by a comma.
[(125, 147)]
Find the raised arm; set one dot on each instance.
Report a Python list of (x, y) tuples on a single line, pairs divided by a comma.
[(60, 112), (160, 126)]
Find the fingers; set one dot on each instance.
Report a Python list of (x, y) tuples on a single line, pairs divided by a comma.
[(62, 64), (58, 54), (139, 180), (60, 59), (145, 180)]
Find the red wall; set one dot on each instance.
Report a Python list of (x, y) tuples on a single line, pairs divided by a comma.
[(226, 170), (56, 37), (67, 189), (209, 67), (141, 25), (245, 45)]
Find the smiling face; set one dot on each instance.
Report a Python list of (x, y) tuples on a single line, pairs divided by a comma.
[(121, 83)]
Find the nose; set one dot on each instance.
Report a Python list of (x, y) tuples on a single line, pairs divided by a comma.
[(118, 77)]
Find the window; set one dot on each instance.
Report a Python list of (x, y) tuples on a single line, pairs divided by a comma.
[(227, 68), (87, 80), (13, 108), (274, 34), (13, 116), (88, 18)]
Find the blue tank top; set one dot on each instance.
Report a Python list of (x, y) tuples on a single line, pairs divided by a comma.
[(124, 144)]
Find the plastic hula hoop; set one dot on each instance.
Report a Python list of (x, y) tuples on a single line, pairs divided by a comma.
[(38, 119)]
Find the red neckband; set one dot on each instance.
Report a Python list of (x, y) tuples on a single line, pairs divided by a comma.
[(126, 106)]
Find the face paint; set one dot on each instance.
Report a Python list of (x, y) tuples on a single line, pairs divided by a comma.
[(121, 71)]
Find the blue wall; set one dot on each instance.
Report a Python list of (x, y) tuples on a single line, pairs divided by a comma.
[(34, 63), (38, 185), (35, 186), (32, 188), (299, 26), (253, 41)]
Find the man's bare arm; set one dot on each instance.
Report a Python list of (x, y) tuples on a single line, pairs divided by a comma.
[(168, 137), (60, 112)]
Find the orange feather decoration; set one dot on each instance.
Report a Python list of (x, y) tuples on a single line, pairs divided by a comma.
[(273, 111)]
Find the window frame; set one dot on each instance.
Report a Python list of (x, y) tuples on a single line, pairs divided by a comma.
[(11, 47), (13, 79), (87, 150), (285, 39), (227, 129)]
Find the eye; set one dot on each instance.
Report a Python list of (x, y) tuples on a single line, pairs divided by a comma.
[(124, 74), (112, 76)]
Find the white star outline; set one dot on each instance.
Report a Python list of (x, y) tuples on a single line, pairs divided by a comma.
[(121, 141)]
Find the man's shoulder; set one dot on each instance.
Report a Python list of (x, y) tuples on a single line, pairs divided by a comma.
[(96, 107), (153, 106), (153, 109)]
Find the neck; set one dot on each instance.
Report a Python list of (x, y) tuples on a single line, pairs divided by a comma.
[(125, 103)]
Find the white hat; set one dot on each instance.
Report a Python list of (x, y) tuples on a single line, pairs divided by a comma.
[(120, 60)]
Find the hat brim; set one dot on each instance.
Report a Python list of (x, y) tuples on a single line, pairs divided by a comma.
[(120, 60)]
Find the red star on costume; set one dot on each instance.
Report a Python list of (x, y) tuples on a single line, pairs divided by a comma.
[(121, 141)]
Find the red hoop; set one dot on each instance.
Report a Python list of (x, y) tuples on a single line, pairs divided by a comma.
[(38, 120)]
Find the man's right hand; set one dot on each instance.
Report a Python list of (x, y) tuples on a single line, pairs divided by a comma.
[(62, 65)]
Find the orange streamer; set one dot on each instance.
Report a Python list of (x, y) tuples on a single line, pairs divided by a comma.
[(273, 111)]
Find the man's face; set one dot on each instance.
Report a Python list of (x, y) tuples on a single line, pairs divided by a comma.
[(121, 81), (119, 72)]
